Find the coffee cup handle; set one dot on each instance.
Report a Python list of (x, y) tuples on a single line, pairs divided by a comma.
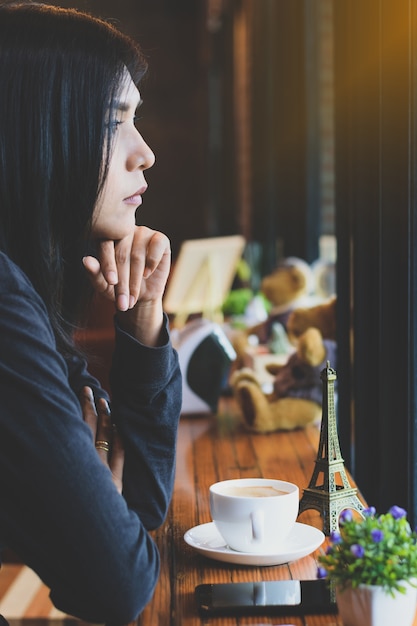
[(257, 521)]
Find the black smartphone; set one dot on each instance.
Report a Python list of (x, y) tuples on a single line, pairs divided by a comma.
[(272, 597)]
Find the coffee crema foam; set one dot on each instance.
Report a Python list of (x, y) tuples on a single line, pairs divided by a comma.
[(255, 491)]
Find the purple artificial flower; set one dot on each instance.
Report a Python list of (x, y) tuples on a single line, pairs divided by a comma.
[(377, 535), (321, 572), (357, 550), (335, 537), (369, 512), (345, 516), (397, 512)]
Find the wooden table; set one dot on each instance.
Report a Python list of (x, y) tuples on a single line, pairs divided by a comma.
[(210, 448), (219, 448)]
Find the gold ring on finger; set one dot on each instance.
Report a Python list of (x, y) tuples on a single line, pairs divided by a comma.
[(102, 445)]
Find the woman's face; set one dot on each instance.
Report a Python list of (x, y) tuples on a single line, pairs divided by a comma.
[(114, 214)]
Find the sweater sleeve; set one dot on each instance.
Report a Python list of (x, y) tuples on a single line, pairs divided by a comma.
[(146, 393), (59, 508)]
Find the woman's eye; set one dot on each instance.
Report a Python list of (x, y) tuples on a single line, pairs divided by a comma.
[(117, 123), (113, 125)]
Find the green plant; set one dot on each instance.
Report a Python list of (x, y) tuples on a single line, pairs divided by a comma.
[(237, 300), (374, 550)]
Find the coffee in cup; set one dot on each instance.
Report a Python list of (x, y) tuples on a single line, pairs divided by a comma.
[(254, 514)]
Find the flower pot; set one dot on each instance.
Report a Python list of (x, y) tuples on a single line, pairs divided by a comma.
[(370, 605)]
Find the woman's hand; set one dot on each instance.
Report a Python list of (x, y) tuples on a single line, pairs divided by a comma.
[(132, 270), (105, 436)]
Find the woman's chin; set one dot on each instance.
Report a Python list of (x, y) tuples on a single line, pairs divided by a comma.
[(118, 232)]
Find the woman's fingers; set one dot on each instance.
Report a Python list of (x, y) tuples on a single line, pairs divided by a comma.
[(122, 268), (98, 417), (107, 440), (89, 409), (150, 264), (106, 265), (123, 256), (97, 278), (104, 434)]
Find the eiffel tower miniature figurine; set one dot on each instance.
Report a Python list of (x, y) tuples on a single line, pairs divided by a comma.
[(328, 497)]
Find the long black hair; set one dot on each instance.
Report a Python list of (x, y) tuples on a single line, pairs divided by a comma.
[(61, 71)]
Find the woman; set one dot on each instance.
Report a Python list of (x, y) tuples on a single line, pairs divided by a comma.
[(80, 487)]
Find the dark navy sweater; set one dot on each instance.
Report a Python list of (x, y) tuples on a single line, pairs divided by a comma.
[(59, 509)]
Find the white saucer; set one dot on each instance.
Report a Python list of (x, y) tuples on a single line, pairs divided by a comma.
[(206, 539)]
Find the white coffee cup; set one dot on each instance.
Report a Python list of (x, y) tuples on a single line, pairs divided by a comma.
[(254, 514)]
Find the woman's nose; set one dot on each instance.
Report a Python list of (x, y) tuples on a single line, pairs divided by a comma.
[(142, 156)]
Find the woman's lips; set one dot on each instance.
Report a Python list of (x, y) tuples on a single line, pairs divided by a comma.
[(136, 198)]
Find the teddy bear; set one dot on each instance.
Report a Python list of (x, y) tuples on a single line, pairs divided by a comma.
[(321, 316), (296, 398), (288, 287)]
